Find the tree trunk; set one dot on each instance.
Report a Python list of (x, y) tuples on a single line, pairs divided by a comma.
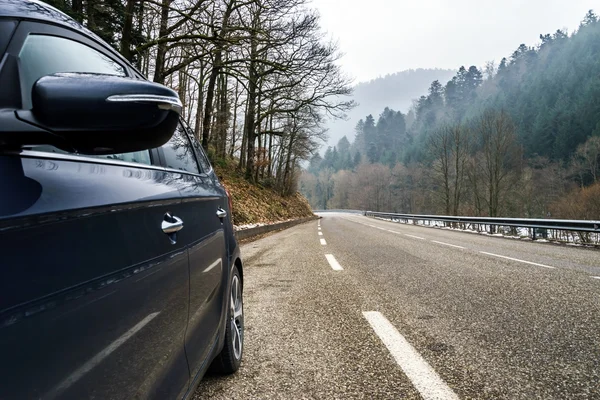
[(279, 174), (77, 7), (270, 146), (286, 173), (140, 18), (200, 106), (127, 29), (234, 127), (161, 51), (216, 70), (91, 14), (258, 154), (182, 90), (251, 113), (242, 164), (210, 94), (223, 120)]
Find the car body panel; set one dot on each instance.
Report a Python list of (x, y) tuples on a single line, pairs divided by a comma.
[(88, 262), (95, 299), (208, 267)]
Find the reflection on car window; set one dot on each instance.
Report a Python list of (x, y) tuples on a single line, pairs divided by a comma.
[(200, 154), (178, 152), (43, 55), (141, 157)]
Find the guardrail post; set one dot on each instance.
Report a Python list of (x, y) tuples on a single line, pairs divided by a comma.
[(533, 234)]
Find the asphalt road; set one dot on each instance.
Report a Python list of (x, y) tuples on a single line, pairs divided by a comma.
[(391, 311)]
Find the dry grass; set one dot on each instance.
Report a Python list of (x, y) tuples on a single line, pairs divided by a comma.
[(254, 203)]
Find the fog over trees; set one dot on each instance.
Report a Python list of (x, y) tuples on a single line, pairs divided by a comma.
[(520, 137), (396, 91)]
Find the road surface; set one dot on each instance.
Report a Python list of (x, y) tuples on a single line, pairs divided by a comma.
[(353, 307)]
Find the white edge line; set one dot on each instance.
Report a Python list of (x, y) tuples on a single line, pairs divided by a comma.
[(415, 237), (516, 259), (323, 242), (423, 377), (595, 277), (448, 244), (97, 359), (333, 262)]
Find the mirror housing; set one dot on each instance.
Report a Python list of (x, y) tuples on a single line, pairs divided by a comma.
[(98, 114)]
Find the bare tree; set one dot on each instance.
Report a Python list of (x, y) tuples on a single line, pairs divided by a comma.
[(499, 157), (257, 78), (450, 147), (586, 159)]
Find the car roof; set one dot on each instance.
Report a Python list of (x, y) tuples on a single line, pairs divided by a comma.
[(37, 10)]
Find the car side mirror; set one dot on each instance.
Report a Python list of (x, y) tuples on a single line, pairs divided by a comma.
[(99, 114)]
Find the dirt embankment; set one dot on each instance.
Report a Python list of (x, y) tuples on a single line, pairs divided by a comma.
[(257, 204)]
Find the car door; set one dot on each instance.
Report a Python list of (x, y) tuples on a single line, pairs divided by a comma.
[(203, 199), (94, 294)]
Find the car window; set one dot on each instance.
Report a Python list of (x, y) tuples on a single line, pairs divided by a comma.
[(178, 152), (200, 154), (141, 157), (43, 55)]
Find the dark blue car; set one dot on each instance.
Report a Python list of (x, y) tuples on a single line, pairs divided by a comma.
[(120, 277)]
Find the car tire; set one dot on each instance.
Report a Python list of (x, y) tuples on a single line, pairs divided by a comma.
[(229, 359)]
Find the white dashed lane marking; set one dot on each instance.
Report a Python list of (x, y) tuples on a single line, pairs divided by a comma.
[(448, 244), (463, 248), (414, 237), (323, 242), (333, 262), (516, 259), (423, 377), (320, 233)]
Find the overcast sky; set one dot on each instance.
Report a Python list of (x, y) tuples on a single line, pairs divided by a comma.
[(386, 36)]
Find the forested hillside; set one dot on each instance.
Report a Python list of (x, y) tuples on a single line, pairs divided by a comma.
[(520, 138), (256, 78), (397, 91)]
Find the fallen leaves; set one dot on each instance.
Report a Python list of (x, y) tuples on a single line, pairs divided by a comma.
[(255, 204)]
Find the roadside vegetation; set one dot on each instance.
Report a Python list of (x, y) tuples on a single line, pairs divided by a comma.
[(259, 203), (257, 79), (520, 138)]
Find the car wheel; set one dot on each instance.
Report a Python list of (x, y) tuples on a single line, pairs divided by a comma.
[(228, 361)]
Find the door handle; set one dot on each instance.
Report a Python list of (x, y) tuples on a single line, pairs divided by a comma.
[(171, 224), (221, 213)]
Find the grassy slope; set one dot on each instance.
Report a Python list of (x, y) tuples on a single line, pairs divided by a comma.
[(257, 204)]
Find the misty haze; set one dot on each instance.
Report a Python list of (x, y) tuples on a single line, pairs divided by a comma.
[(300, 199)]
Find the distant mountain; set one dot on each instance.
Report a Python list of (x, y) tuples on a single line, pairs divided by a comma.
[(396, 91)]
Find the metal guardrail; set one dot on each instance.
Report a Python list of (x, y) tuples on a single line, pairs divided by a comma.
[(584, 226)]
